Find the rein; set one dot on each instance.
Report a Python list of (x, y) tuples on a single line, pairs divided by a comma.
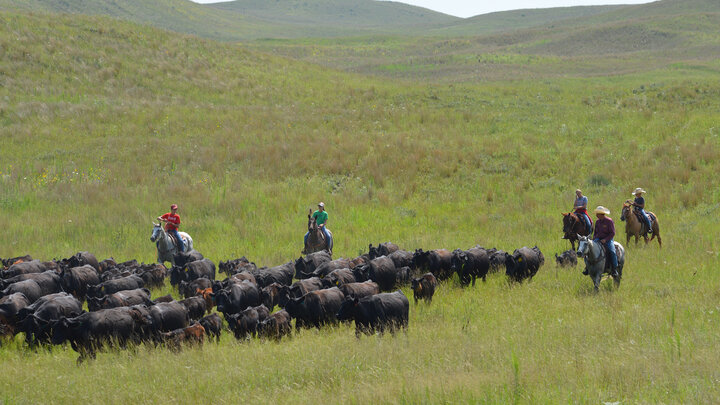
[(600, 256)]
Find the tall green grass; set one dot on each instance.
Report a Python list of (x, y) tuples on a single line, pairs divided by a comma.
[(104, 128)]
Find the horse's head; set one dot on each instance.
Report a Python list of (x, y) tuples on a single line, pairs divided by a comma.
[(584, 245), (312, 223), (568, 222), (625, 209), (156, 232)]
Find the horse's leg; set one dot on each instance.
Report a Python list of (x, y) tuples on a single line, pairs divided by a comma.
[(596, 281), (572, 244)]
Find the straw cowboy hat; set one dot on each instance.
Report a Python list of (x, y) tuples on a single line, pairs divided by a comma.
[(639, 190), (602, 210)]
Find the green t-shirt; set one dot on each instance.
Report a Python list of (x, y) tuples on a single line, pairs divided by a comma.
[(320, 217)]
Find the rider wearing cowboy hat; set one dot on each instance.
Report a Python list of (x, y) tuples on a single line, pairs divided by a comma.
[(604, 234), (639, 204), (172, 222)]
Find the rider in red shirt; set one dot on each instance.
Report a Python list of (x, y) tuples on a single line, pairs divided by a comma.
[(172, 222)]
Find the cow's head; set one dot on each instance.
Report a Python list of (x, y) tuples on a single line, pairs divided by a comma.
[(347, 309)]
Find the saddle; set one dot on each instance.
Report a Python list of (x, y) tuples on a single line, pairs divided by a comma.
[(640, 218)]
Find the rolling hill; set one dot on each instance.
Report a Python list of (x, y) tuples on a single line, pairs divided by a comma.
[(238, 21)]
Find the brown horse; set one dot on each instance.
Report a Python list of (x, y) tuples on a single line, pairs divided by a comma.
[(316, 238), (635, 227), (572, 227)]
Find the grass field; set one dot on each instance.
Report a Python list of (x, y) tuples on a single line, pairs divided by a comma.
[(105, 123)]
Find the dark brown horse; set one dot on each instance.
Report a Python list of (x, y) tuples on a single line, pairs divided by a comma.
[(316, 238), (572, 227), (637, 228)]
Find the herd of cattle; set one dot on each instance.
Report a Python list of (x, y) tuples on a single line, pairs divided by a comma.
[(45, 300)]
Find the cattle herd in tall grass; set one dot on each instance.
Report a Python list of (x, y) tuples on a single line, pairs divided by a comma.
[(45, 300)]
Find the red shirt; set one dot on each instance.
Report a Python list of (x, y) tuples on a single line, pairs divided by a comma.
[(604, 229), (173, 220)]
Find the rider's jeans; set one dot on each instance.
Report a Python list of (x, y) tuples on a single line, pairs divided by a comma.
[(181, 245), (611, 251)]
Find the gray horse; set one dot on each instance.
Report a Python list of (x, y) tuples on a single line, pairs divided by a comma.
[(166, 248), (595, 260)]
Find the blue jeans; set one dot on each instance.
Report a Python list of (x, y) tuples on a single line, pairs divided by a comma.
[(611, 251), (646, 218), (181, 245), (327, 238), (586, 218)]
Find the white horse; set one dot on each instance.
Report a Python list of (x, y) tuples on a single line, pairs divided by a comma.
[(596, 262), (166, 247)]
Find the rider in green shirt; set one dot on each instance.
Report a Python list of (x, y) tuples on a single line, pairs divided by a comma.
[(321, 217)]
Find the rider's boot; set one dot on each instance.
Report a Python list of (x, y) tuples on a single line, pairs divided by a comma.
[(614, 273)]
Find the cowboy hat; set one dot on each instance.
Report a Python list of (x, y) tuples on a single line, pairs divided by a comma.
[(639, 190), (602, 210)]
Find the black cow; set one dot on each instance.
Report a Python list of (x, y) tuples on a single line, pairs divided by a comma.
[(470, 264), (282, 275), (196, 307), (183, 258), (360, 290), (10, 306), (304, 266), (246, 322), (200, 268), (112, 286), (376, 312), (235, 266), (276, 325), (48, 281), (424, 287), (168, 316), (237, 297), (90, 331), (402, 258), (270, 295), (5, 263), (213, 325), (33, 266), (326, 268), (77, 279), (403, 276), (298, 289), (383, 249), (189, 289), (315, 308), (497, 259), (382, 271), (524, 263), (338, 277), (38, 319), (567, 258), (30, 288), (78, 260), (164, 298), (153, 275), (438, 262), (125, 298)]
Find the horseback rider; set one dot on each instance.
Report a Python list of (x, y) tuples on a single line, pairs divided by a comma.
[(172, 222), (639, 205), (321, 217), (580, 209), (604, 234)]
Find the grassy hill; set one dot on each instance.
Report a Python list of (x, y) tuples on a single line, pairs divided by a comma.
[(380, 15), (514, 20), (105, 123), (251, 20), (603, 44)]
